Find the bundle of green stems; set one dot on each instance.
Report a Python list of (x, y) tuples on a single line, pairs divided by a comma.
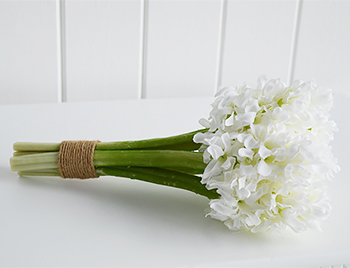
[(172, 161)]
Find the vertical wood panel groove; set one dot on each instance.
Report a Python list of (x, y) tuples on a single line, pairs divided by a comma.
[(294, 43), (221, 42), (143, 49), (61, 51)]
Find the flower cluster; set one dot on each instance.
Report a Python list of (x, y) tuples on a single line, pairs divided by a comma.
[(268, 155)]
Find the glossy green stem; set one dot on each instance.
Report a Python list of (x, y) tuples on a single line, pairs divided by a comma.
[(163, 177), (149, 158), (178, 142)]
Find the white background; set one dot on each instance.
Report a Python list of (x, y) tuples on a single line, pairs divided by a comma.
[(64, 50)]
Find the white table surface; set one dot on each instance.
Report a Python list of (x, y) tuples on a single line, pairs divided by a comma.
[(122, 223)]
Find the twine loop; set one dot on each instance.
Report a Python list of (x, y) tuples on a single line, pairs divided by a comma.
[(76, 159)]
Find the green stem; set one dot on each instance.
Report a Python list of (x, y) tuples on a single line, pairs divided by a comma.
[(153, 175), (36, 161), (150, 158), (179, 160), (42, 172), (178, 142), (36, 147), (163, 177)]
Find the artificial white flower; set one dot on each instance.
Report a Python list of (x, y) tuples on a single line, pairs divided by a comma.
[(268, 156)]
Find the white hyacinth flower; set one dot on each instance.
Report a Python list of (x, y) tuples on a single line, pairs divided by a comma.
[(268, 155)]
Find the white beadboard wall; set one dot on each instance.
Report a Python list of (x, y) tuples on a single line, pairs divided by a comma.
[(258, 40), (70, 50), (28, 52), (181, 48), (323, 52), (102, 49)]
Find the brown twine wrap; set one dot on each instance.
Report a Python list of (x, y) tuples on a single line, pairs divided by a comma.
[(76, 159)]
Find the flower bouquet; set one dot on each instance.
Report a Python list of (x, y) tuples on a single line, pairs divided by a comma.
[(262, 158)]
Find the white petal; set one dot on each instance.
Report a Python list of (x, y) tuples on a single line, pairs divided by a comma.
[(242, 137), (221, 208), (241, 182), (215, 151), (226, 140), (264, 152), (204, 122), (250, 142), (252, 106), (229, 121), (253, 220), (212, 169), (264, 168), (246, 118), (230, 161), (246, 169), (199, 137), (280, 115), (244, 152), (292, 152), (243, 193), (242, 99)]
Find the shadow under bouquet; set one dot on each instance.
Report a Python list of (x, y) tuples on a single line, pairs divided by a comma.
[(262, 158)]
